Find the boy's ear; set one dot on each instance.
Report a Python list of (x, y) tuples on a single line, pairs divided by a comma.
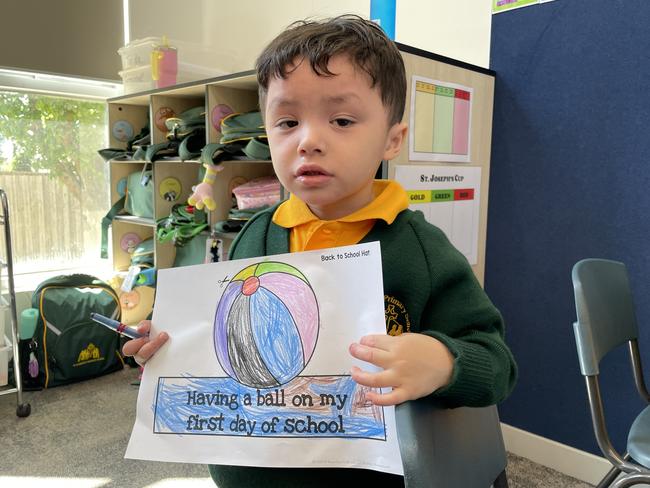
[(394, 140)]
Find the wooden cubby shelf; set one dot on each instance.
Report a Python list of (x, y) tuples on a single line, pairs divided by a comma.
[(172, 178)]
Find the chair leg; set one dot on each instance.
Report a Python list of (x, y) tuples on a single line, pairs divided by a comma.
[(501, 481), (631, 480), (613, 473), (609, 478)]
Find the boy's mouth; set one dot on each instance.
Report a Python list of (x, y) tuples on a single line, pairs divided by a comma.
[(311, 170), (312, 176)]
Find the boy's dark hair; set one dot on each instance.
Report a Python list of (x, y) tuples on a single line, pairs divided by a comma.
[(362, 40)]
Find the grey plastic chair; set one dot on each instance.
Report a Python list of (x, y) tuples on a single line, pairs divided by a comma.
[(451, 448), (606, 320)]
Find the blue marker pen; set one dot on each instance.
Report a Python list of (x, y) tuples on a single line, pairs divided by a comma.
[(115, 325)]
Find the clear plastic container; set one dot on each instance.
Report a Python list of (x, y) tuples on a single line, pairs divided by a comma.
[(192, 72), (137, 54), (142, 79), (137, 79), (5, 318), (6, 353)]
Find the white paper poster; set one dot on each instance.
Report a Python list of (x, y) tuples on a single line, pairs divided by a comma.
[(256, 370), (440, 121), (449, 197)]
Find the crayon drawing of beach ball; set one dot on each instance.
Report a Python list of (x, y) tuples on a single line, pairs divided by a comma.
[(266, 325)]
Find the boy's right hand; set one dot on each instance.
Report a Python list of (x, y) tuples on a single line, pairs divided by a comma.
[(143, 348)]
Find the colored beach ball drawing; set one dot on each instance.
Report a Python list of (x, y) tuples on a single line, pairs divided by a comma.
[(266, 325)]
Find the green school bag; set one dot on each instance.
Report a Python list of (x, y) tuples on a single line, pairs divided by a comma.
[(139, 194), (193, 252), (70, 347), (185, 227), (143, 254), (137, 199)]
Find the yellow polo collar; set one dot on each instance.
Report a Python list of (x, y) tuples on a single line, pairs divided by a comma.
[(390, 199)]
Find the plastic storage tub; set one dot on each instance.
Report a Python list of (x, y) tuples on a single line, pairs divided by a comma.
[(137, 54), (258, 192), (141, 78), (138, 79), (6, 354)]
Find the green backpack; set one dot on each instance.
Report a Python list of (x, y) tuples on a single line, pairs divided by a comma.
[(69, 346), (185, 227), (143, 254), (137, 195)]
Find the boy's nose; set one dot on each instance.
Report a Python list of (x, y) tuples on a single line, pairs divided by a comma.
[(310, 142)]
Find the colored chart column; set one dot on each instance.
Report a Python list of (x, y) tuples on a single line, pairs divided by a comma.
[(424, 109), (461, 122), (443, 122)]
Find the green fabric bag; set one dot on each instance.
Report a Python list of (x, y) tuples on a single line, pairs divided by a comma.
[(193, 252), (137, 200), (70, 347), (143, 254), (139, 194), (184, 227), (183, 223)]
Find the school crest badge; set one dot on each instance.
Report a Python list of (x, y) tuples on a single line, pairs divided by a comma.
[(397, 318)]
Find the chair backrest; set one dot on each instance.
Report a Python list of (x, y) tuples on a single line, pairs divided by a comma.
[(604, 308), (449, 448)]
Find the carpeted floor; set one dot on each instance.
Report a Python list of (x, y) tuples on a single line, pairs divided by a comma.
[(76, 436)]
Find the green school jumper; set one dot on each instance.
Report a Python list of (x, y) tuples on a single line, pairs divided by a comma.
[(429, 288)]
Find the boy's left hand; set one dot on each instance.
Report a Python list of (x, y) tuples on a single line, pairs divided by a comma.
[(414, 365)]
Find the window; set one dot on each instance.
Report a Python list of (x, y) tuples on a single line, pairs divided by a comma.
[(56, 183)]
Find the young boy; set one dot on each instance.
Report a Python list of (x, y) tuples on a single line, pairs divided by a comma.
[(333, 95)]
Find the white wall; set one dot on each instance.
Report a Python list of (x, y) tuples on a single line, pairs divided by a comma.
[(459, 29), (227, 36), (227, 39)]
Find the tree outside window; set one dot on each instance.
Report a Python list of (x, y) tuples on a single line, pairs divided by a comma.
[(56, 183)]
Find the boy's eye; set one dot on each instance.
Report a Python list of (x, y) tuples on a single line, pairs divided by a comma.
[(343, 122), (287, 124)]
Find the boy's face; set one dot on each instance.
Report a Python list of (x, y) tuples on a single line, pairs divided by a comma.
[(327, 135)]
